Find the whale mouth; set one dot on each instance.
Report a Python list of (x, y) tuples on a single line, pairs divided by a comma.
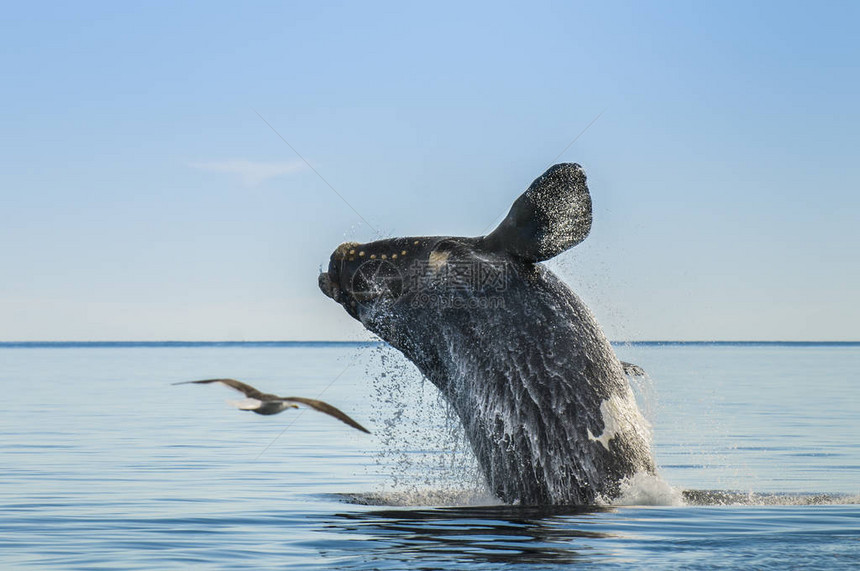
[(330, 281), (329, 286)]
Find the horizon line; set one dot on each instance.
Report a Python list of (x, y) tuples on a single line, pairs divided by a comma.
[(319, 342)]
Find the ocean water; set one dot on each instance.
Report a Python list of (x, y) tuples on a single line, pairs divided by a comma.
[(106, 465)]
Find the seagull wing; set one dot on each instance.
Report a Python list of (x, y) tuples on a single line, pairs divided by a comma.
[(247, 390), (327, 409), (254, 394)]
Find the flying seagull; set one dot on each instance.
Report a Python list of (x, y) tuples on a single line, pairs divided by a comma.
[(264, 403)]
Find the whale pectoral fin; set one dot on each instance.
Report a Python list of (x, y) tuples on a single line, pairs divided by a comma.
[(552, 215), (633, 370)]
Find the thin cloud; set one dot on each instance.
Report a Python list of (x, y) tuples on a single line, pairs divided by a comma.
[(251, 173)]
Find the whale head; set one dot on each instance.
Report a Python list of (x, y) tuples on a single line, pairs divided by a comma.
[(387, 282)]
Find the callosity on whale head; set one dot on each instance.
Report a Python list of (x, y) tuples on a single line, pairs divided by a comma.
[(542, 397)]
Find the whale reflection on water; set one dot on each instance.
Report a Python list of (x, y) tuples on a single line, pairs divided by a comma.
[(703, 531), (489, 534)]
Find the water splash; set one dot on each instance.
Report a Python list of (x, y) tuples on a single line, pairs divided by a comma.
[(427, 497), (647, 490), (645, 392), (424, 453), (739, 498)]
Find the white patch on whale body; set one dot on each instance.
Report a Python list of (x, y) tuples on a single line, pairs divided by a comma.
[(620, 413), (437, 259)]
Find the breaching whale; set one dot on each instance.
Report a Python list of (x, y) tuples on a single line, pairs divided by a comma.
[(544, 401)]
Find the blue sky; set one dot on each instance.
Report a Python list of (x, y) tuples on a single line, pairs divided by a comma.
[(142, 197)]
